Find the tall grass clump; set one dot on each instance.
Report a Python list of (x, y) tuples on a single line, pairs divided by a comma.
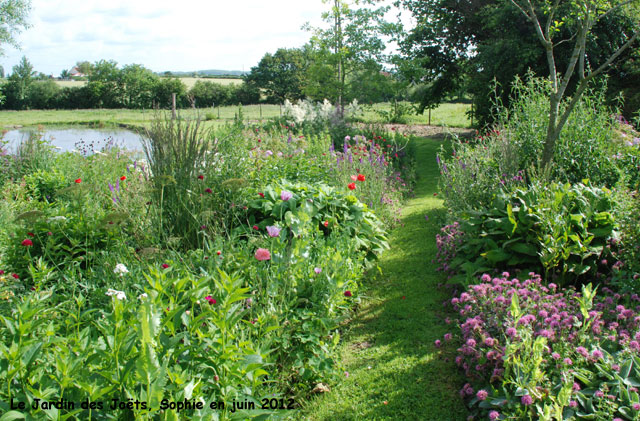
[(176, 150)]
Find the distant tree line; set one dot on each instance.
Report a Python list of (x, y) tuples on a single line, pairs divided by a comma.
[(108, 86)]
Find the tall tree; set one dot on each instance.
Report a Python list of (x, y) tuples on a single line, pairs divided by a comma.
[(17, 86), (458, 45), (354, 37), (13, 19)]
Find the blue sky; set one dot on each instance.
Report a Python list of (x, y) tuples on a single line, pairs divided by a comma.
[(161, 34)]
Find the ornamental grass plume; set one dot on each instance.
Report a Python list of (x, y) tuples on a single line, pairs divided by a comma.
[(262, 254)]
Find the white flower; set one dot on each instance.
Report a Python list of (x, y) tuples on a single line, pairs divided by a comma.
[(118, 294), (142, 296), (57, 218), (120, 269)]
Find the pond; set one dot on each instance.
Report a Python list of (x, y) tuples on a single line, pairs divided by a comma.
[(85, 140)]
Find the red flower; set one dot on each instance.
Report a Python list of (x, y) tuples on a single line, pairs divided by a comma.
[(27, 243), (15, 275), (261, 195), (78, 180), (30, 234), (218, 252), (208, 190), (435, 194), (352, 186), (201, 177), (361, 177), (124, 177), (211, 300), (49, 233), (347, 293), (1, 272), (165, 266), (255, 227), (325, 223)]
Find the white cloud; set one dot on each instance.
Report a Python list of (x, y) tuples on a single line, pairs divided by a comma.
[(161, 34)]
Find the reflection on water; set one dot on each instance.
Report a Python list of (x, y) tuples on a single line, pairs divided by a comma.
[(84, 140)]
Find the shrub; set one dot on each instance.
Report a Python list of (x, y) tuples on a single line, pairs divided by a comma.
[(301, 209), (561, 229)]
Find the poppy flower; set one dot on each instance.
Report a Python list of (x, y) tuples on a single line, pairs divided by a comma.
[(78, 180), (165, 266), (325, 223), (124, 177), (210, 299), (352, 186), (262, 254), (347, 293), (27, 242), (201, 177), (261, 195), (354, 177), (361, 177), (218, 252)]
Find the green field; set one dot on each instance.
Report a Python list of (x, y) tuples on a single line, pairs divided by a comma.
[(188, 81), (451, 115)]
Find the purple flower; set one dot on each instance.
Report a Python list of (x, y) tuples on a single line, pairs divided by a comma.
[(285, 195), (599, 394), (273, 231), (526, 400), (494, 415), (597, 354), (317, 270)]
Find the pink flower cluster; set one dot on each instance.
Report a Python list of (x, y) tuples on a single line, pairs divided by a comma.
[(448, 241), (486, 324)]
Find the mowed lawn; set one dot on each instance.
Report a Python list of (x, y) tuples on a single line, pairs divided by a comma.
[(395, 372)]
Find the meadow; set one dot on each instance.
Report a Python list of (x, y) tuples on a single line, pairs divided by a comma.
[(450, 115)]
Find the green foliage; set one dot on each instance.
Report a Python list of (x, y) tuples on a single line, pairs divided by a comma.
[(316, 207), (559, 229), (13, 14), (584, 147), (280, 75), (43, 185), (454, 47)]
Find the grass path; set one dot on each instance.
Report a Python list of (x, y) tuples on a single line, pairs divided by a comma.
[(389, 349)]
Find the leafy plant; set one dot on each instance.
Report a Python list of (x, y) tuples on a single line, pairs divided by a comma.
[(561, 229)]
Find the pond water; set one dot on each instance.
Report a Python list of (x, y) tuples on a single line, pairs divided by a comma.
[(85, 140)]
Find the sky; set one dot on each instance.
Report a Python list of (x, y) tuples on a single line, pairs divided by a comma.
[(162, 35)]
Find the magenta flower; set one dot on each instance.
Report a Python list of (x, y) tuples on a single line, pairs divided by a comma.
[(262, 254), (494, 415), (285, 195), (482, 395), (317, 270), (526, 400), (210, 299)]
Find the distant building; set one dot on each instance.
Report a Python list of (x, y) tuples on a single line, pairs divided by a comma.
[(75, 72)]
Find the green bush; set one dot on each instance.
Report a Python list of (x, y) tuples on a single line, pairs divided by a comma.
[(311, 207), (561, 230)]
